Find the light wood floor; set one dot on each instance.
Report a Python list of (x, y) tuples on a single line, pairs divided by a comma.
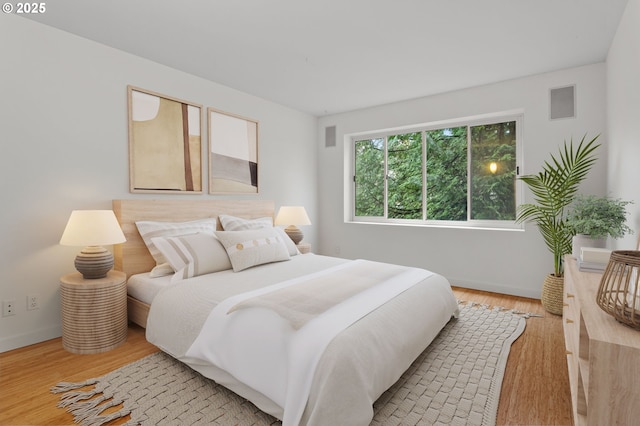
[(535, 389)]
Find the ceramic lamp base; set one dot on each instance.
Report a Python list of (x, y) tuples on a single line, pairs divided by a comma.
[(294, 233), (94, 262)]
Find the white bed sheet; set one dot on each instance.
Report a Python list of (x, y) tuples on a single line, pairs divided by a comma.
[(380, 346), (144, 288)]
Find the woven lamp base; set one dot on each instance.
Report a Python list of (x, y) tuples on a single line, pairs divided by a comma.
[(619, 292), (552, 289)]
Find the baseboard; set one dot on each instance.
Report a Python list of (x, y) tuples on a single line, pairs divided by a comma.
[(495, 288), (21, 340)]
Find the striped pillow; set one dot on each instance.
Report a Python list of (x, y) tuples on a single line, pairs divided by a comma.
[(232, 223), (150, 229), (193, 255)]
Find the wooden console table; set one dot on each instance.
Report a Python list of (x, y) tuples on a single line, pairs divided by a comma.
[(603, 355)]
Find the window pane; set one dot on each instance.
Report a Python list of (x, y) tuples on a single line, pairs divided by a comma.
[(493, 171), (404, 175), (369, 171), (447, 174)]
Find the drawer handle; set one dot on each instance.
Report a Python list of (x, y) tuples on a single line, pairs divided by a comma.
[(568, 352), (565, 304), (569, 321), (570, 295)]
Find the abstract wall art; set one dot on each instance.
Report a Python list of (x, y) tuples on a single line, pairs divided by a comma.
[(165, 147), (233, 153)]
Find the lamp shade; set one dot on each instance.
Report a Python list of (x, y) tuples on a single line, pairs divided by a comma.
[(292, 215), (92, 228)]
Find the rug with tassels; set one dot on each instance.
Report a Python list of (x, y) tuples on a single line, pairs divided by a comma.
[(455, 381)]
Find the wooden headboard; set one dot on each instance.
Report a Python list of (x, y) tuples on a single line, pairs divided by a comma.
[(132, 256)]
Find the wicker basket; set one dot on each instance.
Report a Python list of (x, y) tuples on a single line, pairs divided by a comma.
[(619, 292), (552, 289)]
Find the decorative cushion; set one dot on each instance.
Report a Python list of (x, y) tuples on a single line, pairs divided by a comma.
[(150, 229), (194, 254), (232, 223), (253, 247)]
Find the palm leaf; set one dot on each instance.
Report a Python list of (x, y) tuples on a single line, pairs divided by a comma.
[(554, 188)]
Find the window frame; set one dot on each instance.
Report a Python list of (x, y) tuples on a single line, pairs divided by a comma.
[(501, 117)]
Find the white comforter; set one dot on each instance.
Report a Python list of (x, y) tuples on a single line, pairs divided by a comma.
[(357, 365)]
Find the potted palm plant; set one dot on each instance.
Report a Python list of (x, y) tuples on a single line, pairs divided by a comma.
[(592, 219), (554, 189)]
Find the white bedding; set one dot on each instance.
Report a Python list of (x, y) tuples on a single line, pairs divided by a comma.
[(358, 364), (144, 288)]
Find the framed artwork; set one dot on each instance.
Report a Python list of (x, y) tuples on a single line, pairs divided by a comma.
[(165, 146), (233, 153)]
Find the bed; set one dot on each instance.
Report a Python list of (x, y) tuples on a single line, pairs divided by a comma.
[(323, 368)]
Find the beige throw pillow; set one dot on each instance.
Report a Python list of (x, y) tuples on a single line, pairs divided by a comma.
[(232, 223), (253, 247), (151, 229), (193, 255)]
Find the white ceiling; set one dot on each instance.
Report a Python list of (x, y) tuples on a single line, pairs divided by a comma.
[(330, 56)]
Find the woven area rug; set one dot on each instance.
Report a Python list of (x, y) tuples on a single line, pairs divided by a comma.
[(456, 380)]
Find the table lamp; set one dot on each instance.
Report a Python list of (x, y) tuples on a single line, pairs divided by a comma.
[(292, 216), (93, 229)]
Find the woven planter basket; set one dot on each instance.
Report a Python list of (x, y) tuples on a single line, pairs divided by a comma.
[(552, 289), (619, 292)]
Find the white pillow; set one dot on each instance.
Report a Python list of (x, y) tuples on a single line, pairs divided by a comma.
[(150, 229), (232, 223), (194, 254), (291, 246), (253, 247), (161, 270)]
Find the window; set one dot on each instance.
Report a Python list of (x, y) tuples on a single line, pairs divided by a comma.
[(461, 174)]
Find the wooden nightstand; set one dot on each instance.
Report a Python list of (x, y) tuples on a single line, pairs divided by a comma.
[(94, 312), (304, 248)]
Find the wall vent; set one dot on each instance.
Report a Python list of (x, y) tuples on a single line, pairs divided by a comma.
[(330, 136), (562, 102)]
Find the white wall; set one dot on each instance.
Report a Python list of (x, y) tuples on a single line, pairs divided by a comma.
[(512, 262), (623, 118), (63, 130)]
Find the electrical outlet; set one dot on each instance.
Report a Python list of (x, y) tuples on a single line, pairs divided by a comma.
[(8, 307), (33, 302)]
